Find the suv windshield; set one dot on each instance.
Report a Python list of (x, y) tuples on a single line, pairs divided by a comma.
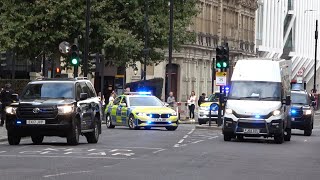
[(299, 98), (255, 90), (145, 101), (49, 90)]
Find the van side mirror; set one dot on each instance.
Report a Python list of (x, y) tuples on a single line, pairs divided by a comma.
[(287, 100), (83, 96), (15, 97)]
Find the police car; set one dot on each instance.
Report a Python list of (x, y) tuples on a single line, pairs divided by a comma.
[(140, 109), (204, 109)]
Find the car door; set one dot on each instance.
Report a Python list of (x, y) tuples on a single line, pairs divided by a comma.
[(88, 109), (124, 109), (116, 111)]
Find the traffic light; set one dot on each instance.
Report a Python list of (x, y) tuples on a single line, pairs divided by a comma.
[(3, 58), (58, 70), (75, 59), (222, 57)]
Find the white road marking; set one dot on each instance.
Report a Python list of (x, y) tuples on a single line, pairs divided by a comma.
[(2, 152), (191, 131), (180, 141), (154, 152), (91, 150), (123, 154), (305, 140), (213, 137), (195, 142), (176, 145), (67, 173), (184, 137), (76, 157)]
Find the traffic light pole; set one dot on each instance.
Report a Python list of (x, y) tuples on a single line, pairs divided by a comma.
[(315, 60)]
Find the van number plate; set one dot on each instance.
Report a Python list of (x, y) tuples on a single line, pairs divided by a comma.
[(251, 131), (36, 122)]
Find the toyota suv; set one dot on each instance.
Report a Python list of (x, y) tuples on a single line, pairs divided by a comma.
[(55, 107), (302, 111)]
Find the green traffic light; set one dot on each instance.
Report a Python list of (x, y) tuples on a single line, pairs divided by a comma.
[(218, 65), (224, 64), (74, 61)]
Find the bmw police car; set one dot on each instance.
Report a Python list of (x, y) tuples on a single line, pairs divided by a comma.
[(204, 114), (140, 109)]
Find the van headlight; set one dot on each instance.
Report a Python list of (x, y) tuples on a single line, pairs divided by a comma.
[(276, 112), (308, 112), (66, 109), (11, 110), (229, 111)]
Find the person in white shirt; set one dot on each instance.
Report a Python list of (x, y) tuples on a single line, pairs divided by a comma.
[(192, 104), (112, 97)]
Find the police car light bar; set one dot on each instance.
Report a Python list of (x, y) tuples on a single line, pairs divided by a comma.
[(138, 93)]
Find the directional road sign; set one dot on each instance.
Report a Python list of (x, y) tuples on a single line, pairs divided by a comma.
[(221, 78)]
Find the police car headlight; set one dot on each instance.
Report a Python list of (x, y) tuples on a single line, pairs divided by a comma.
[(11, 110), (308, 112), (142, 114), (174, 114), (66, 109), (204, 108), (276, 112)]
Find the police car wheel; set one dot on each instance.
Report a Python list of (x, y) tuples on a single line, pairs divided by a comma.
[(37, 139), (109, 122), (131, 123), (13, 139), (171, 128)]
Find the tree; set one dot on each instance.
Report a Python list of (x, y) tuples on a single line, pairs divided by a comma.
[(32, 26)]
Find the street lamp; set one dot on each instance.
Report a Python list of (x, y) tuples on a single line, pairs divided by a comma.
[(135, 70), (170, 45)]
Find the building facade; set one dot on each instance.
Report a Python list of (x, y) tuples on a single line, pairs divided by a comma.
[(286, 29), (219, 22)]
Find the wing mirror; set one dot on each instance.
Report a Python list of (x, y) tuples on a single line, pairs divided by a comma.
[(15, 97), (83, 96), (287, 100), (166, 104)]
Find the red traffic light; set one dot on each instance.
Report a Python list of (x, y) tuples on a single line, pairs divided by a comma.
[(58, 70)]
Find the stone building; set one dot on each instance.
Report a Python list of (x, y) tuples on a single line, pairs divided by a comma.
[(219, 22)]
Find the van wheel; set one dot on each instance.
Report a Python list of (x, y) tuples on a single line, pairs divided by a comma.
[(287, 136), (13, 139), (93, 137), (227, 137), (109, 122), (73, 136), (279, 138), (308, 131), (37, 139)]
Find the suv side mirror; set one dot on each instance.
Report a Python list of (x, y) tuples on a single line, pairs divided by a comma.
[(123, 104), (83, 96), (15, 97), (287, 100)]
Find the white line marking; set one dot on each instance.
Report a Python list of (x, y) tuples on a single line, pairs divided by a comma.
[(91, 150), (180, 141), (213, 137), (191, 131), (197, 141), (184, 137), (3, 151), (107, 166), (176, 145), (67, 173), (154, 152), (305, 140), (77, 157)]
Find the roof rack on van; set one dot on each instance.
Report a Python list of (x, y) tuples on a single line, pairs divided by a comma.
[(81, 78)]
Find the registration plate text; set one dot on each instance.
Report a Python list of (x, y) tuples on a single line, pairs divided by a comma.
[(36, 122), (251, 131)]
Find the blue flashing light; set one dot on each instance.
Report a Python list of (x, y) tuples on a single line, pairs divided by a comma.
[(149, 122), (257, 116), (169, 122), (19, 122), (144, 93), (293, 111)]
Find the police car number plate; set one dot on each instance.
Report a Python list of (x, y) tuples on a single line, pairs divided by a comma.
[(36, 122), (159, 120)]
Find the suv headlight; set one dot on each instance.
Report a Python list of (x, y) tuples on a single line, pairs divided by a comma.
[(308, 112), (229, 111), (276, 112), (11, 110), (66, 109), (142, 114)]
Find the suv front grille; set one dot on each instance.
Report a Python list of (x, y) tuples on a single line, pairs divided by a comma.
[(44, 112), (252, 124)]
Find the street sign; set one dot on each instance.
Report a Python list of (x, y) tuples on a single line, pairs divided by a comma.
[(299, 79), (221, 78)]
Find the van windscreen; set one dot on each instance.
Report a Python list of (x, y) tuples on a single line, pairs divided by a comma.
[(266, 91)]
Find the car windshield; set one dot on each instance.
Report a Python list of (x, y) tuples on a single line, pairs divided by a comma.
[(213, 97), (48, 90), (145, 101), (299, 98), (267, 91)]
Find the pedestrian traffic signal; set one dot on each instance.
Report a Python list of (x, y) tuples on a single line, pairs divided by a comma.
[(75, 59), (58, 71), (222, 57)]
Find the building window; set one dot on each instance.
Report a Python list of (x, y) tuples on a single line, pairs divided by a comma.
[(150, 70)]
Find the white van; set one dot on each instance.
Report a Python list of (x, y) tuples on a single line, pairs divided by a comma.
[(259, 101)]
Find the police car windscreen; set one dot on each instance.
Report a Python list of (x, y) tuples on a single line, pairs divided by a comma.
[(299, 98), (145, 101), (49, 90)]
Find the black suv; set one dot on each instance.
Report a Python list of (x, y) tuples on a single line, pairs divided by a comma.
[(302, 111), (55, 107)]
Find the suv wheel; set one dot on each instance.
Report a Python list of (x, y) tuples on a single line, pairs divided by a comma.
[(279, 138), (37, 139), (73, 136), (109, 122), (13, 139), (227, 137), (132, 124), (308, 130), (93, 137), (287, 136)]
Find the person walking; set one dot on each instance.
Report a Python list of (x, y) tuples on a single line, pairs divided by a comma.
[(201, 99), (191, 103), (6, 100), (112, 97), (171, 100)]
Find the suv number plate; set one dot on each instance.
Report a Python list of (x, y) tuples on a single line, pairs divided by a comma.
[(36, 122), (251, 131)]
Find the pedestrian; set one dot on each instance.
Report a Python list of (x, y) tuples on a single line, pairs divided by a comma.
[(191, 103), (171, 100), (6, 100), (201, 99), (112, 97)]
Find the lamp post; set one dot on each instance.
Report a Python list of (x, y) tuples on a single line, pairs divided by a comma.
[(86, 46), (146, 38), (170, 46)]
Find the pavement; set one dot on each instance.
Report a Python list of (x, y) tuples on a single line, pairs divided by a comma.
[(3, 134)]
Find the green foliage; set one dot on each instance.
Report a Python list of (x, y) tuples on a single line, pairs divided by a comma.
[(32, 26)]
